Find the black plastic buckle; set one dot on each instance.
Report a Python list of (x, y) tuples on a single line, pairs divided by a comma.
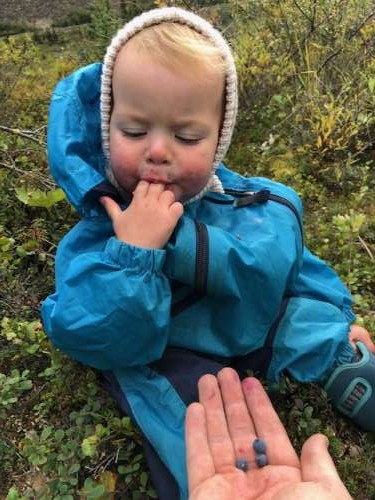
[(255, 198)]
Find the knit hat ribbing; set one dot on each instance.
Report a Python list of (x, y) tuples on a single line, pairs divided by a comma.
[(181, 16)]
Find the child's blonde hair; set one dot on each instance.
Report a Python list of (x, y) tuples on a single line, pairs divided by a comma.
[(179, 47)]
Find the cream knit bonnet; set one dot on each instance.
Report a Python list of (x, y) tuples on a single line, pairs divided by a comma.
[(177, 15)]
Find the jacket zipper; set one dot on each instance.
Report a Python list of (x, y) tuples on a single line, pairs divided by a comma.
[(287, 203), (201, 271), (201, 262)]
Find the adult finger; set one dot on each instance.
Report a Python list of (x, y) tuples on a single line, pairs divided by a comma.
[(217, 430), (268, 425), (370, 345), (240, 425), (358, 333), (317, 466), (199, 461), (111, 207)]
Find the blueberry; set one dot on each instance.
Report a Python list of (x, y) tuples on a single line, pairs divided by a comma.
[(259, 445), (242, 464), (261, 460)]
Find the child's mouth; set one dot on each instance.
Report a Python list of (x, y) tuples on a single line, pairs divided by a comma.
[(153, 180)]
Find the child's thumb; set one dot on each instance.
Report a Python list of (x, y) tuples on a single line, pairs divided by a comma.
[(317, 466), (111, 207)]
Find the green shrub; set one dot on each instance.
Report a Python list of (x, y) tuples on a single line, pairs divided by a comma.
[(11, 28), (306, 75), (79, 16)]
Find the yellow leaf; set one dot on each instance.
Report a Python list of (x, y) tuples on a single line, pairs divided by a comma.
[(108, 479)]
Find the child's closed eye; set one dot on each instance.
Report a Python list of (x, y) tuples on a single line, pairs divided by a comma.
[(188, 140), (135, 134)]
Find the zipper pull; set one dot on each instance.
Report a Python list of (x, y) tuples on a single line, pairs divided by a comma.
[(255, 198)]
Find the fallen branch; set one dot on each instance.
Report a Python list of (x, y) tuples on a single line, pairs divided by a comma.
[(365, 246), (26, 134)]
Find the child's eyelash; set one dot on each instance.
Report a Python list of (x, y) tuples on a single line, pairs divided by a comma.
[(135, 134), (187, 140)]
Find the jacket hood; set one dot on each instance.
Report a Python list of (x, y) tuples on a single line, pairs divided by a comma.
[(75, 154)]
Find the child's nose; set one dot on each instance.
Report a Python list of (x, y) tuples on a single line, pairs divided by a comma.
[(158, 151)]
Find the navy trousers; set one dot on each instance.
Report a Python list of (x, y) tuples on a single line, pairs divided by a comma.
[(183, 369)]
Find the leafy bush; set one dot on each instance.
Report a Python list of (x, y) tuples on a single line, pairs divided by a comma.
[(306, 78), (104, 23), (10, 28), (79, 16)]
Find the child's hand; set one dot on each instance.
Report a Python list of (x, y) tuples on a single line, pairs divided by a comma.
[(359, 333), (149, 220)]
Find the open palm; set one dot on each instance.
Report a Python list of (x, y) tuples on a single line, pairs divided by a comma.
[(222, 427)]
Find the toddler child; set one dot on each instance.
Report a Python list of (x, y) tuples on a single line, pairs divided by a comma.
[(189, 267)]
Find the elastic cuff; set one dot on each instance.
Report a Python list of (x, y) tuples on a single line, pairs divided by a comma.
[(132, 257)]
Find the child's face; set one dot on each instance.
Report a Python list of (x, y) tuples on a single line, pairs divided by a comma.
[(164, 125)]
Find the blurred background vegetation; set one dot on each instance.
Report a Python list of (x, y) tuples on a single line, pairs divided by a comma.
[(307, 98)]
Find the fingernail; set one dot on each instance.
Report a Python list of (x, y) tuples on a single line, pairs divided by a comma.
[(249, 383)]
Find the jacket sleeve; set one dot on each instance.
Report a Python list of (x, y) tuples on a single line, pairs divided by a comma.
[(312, 336), (111, 306), (316, 280)]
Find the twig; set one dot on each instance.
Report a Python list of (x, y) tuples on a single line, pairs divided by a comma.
[(45, 181), (349, 37), (358, 28), (7, 305), (22, 133), (102, 465), (302, 12), (365, 246), (11, 446), (329, 58), (12, 167)]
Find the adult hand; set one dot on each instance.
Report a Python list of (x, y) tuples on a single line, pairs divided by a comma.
[(221, 428), (149, 220), (358, 333)]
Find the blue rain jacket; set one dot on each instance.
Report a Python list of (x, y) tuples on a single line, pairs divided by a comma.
[(234, 261)]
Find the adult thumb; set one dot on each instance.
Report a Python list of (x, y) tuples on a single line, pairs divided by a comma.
[(317, 466)]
